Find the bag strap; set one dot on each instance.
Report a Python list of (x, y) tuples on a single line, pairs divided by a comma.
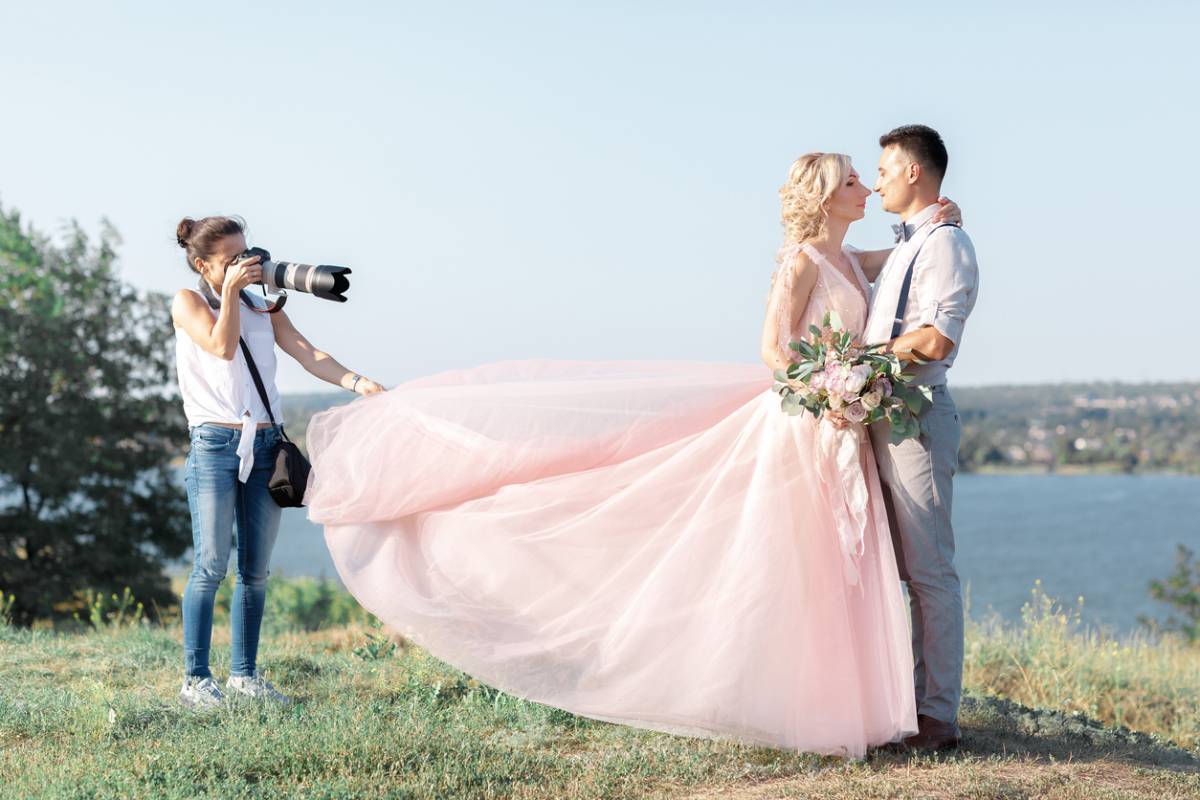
[(215, 303), (258, 384), (902, 304)]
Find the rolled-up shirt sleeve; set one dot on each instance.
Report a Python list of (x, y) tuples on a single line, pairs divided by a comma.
[(945, 283)]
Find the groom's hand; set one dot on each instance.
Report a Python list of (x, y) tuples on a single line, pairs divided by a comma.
[(922, 346)]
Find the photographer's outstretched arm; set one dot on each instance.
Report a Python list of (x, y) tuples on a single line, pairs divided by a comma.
[(318, 362)]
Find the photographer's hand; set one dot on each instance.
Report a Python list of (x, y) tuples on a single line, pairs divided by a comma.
[(240, 275), (365, 386)]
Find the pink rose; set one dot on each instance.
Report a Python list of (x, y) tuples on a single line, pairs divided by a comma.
[(855, 412), (872, 399), (884, 387)]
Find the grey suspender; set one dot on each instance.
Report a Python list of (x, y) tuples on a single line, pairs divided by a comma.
[(898, 320)]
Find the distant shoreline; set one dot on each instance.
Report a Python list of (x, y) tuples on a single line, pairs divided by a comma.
[(1077, 470), (1068, 469)]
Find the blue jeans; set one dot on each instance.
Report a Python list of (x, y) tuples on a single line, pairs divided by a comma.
[(219, 501)]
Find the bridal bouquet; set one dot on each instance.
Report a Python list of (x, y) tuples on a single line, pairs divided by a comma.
[(835, 375)]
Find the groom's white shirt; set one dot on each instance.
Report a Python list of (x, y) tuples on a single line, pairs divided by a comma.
[(944, 285)]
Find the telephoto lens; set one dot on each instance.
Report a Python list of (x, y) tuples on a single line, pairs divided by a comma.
[(321, 280)]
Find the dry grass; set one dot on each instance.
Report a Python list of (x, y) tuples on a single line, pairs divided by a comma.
[(1051, 660)]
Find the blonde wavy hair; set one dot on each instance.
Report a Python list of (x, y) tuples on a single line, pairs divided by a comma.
[(811, 181)]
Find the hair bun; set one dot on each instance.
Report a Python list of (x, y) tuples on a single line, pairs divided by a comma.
[(183, 233)]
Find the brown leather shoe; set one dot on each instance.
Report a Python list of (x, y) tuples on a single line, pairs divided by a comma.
[(933, 734)]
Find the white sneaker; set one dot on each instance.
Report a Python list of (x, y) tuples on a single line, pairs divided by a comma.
[(200, 693), (255, 686)]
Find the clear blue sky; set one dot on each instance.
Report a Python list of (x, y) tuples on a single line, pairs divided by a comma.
[(515, 180)]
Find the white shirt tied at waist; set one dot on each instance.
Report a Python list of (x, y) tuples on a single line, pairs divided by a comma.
[(216, 390), (943, 291)]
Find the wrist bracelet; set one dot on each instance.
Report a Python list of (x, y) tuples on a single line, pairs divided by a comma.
[(357, 378)]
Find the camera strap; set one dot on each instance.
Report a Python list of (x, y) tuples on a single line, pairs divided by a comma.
[(215, 303)]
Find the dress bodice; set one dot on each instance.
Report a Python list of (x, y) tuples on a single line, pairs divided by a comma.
[(833, 291)]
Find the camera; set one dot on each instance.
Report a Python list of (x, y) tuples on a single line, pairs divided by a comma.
[(321, 280)]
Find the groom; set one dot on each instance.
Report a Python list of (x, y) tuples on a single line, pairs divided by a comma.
[(920, 313)]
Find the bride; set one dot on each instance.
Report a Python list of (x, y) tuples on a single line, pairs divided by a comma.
[(651, 543)]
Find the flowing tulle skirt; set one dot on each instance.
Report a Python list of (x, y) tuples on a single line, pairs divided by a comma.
[(649, 543)]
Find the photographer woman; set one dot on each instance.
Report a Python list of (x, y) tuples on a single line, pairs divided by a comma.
[(233, 445)]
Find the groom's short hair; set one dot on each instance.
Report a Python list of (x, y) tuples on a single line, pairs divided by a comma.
[(923, 144)]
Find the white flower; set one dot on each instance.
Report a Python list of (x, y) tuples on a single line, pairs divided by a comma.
[(871, 400), (858, 378)]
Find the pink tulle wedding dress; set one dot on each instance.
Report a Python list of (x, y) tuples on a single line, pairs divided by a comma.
[(649, 543)]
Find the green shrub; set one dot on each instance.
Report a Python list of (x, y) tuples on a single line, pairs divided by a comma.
[(6, 607), (111, 611), (1180, 590), (303, 604), (377, 646)]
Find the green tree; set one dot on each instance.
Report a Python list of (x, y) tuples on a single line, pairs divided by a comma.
[(89, 422), (1180, 590)]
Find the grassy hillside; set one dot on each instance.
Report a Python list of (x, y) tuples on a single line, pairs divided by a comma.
[(92, 714)]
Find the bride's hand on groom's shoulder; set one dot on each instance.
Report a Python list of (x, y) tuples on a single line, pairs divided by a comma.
[(949, 212)]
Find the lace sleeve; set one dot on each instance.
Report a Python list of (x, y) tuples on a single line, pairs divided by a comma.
[(780, 306)]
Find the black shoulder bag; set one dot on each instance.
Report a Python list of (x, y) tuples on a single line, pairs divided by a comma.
[(289, 478)]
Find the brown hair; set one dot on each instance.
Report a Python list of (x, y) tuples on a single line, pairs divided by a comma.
[(199, 237), (922, 144)]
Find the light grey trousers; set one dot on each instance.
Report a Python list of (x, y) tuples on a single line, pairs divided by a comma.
[(918, 486)]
